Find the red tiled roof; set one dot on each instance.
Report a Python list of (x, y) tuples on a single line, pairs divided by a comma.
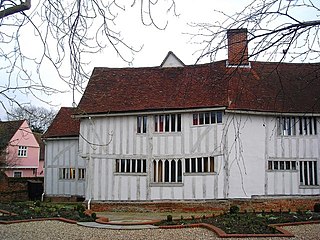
[(7, 130), (274, 87), (63, 125)]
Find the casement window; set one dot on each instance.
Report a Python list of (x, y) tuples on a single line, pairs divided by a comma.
[(167, 123), (141, 124), (205, 118), (67, 173), (131, 165), (308, 173), (17, 174), (22, 151), (167, 171), (199, 165), (81, 173), (291, 126), (282, 165)]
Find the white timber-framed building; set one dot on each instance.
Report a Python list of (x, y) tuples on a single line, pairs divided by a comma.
[(228, 129)]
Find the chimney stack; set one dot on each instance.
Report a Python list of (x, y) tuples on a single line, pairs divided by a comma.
[(237, 47)]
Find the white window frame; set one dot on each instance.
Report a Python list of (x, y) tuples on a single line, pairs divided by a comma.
[(308, 171), (142, 121), (168, 123), (22, 151), (20, 172), (131, 166), (297, 126), (206, 118), (81, 173), (67, 173)]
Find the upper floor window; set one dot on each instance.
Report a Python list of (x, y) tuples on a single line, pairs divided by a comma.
[(282, 165), (167, 123), (207, 118), (141, 124), (291, 126), (17, 174), (22, 151)]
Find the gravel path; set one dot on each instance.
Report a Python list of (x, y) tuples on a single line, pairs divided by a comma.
[(59, 230)]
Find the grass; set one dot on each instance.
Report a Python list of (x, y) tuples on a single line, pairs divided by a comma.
[(34, 210)]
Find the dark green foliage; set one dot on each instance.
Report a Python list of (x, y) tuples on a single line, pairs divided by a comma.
[(94, 216), (169, 218), (234, 209), (32, 210), (316, 207)]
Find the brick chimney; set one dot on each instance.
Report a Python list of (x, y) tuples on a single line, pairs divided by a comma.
[(237, 47)]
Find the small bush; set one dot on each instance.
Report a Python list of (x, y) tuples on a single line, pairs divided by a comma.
[(80, 208), (234, 209), (94, 216), (169, 218), (192, 217), (37, 203), (316, 207)]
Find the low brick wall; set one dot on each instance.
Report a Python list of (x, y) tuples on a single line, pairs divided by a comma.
[(267, 204), (14, 189)]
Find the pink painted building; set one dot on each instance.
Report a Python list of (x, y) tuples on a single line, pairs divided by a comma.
[(20, 150)]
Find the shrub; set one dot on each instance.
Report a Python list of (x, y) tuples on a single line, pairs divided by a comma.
[(169, 218), (316, 207), (94, 216), (37, 203), (80, 208), (234, 209)]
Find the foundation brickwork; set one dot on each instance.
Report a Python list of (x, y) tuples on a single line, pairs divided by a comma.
[(276, 204)]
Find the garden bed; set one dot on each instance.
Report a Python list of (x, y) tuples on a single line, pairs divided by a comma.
[(36, 210), (247, 223)]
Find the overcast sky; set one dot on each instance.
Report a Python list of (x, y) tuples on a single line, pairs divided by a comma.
[(156, 43)]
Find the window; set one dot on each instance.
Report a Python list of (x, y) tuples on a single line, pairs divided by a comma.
[(308, 173), (199, 165), (81, 173), (167, 171), (141, 124), (67, 173), (167, 123), (131, 166), (17, 174), (282, 165), (22, 151), (205, 118), (291, 126)]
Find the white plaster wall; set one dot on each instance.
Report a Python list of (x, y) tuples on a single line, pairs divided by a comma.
[(62, 154), (116, 137), (290, 148)]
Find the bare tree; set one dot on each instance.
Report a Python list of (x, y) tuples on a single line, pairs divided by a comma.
[(279, 30), (39, 118), (64, 35)]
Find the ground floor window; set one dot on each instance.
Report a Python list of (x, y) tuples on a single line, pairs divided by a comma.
[(131, 165), (81, 173), (308, 173), (199, 165), (167, 170), (67, 173), (282, 165)]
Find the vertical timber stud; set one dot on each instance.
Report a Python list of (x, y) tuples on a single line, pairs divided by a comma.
[(149, 155)]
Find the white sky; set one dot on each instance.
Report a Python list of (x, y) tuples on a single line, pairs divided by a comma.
[(156, 43)]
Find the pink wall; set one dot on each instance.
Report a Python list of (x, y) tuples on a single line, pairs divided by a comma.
[(27, 164)]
